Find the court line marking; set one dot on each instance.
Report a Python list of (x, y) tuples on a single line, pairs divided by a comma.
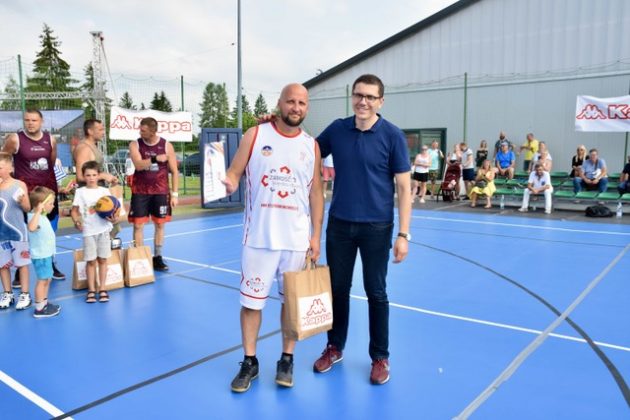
[(172, 235), (30, 395), (158, 378), (436, 313), (537, 342), (535, 227)]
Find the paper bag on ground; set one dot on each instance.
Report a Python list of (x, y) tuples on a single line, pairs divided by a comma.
[(138, 266), (307, 302), (114, 271)]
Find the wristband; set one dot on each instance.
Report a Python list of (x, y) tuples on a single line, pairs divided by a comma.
[(154, 159), (174, 194)]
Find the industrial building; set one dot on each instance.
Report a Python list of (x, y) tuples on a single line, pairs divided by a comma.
[(481, 66)]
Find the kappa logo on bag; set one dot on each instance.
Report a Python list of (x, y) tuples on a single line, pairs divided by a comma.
[(315, 311), (139, 268)]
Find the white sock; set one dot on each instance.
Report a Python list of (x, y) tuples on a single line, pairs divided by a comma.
[(41, 305)]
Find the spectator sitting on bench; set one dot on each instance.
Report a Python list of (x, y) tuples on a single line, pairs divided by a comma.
[(539, 182), (624, 181), (593, 175), (543, 157), (505, 161)]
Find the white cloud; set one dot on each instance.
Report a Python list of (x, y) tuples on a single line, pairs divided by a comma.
[(283, 41)]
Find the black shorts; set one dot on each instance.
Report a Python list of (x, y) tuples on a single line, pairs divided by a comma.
[(157, 206), (422, 177), (469, 174)]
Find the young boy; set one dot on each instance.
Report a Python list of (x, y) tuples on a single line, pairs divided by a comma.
[(13, 236), (42, 239), (96, 239)]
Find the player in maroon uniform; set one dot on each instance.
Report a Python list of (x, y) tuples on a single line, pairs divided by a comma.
[(34, 154), (153, 158)]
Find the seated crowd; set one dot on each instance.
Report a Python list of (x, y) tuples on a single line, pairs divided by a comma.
[(588, 170)]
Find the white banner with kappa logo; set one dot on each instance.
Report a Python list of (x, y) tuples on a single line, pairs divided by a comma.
[(602, 114), (173, 126)]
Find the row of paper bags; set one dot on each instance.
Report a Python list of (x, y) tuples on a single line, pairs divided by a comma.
[(126, 267), (307, 293)]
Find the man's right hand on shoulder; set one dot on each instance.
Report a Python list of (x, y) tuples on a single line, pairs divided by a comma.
[(266, 118)]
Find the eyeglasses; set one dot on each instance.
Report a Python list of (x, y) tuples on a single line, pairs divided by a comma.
[(368, 98)]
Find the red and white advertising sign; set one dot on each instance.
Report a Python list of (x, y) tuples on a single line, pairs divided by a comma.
[(602, 114), (124, 124)]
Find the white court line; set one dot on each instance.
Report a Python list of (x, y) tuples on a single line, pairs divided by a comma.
[(479, 222), (30, 395), (440, 314), (192, 232), (537, 342), (498, 325)]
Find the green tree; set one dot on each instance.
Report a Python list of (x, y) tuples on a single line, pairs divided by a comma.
[(249, 120), (214, 106), (260, 107), (11, 88), (126, 101), (51, 73), (160, 102), (88, 87)]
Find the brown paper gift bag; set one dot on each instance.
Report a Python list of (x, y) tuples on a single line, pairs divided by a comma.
[(114, 271), (307, 302), (138, 266)]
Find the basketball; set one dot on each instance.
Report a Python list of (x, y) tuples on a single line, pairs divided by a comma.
[(107, 205)]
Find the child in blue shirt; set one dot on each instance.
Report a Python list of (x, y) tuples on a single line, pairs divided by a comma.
[(42, 240)]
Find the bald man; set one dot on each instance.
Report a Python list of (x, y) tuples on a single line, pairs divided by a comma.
[(285, 206)]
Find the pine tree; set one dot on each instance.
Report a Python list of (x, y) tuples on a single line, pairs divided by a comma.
[(249, 120), (160, 102), (214, 107), (51, 73), (88, 86), (11, 88), (260, 107), (126, 101)]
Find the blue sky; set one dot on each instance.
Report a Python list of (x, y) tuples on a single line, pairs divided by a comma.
[(283, 41)]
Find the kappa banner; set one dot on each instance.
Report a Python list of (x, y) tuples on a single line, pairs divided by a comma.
[(173, 126), (602, 114)]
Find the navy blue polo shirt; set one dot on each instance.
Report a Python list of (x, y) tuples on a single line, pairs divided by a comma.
[(365, 165)]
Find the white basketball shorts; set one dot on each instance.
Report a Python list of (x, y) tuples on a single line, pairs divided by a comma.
[(260, 268)]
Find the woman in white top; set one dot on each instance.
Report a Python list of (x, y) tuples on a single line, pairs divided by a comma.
[(543, 157), (421, 165)]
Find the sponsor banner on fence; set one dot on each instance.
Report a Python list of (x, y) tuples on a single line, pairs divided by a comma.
[(602, 114), (173, 126)]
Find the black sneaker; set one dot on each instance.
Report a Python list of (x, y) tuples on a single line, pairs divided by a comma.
[(284, 373), (48, 311), (57, 275), (158, 264), (16, 280), (243, 380)]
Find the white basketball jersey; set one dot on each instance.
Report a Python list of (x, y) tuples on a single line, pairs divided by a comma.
[(279, 179)]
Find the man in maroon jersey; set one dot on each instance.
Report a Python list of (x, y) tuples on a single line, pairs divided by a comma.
[(153, 158), (34, 154)]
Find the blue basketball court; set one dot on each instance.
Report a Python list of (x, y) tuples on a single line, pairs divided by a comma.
[(474, 298)]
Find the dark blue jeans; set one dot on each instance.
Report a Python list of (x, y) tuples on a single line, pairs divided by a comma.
[(373, 241)]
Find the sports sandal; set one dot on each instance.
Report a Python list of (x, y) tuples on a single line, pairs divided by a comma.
[(103, 296), (91, 297)]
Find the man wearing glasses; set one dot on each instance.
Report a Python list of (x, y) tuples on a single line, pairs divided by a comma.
[(369, 153)]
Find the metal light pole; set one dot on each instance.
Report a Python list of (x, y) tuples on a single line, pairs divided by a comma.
[(239, 99)]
